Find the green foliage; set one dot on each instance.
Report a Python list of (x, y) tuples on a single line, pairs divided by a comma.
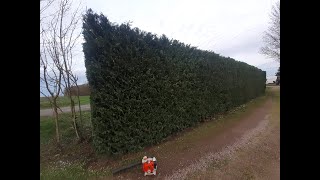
[(145, 88), (278, 76), (278, 72)]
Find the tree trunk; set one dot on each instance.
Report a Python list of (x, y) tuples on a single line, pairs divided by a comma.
[(55, 112), (73, 114), (78, 97)]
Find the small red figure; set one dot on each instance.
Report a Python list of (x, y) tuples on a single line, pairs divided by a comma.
[(149, 166)]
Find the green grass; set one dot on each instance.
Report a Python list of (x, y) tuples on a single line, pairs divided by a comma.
[(59, 168), (70, 171), (276, 107), (62, 101), (47, 127)]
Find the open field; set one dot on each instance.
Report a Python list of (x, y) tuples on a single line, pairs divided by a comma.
[(62, 101)]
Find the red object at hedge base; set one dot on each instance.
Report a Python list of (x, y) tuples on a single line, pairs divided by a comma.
[(149, 165)]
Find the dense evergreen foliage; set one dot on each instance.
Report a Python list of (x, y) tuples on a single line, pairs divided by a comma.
[(145, 88)]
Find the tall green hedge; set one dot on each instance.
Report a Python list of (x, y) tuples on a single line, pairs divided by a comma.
[(145, 88)]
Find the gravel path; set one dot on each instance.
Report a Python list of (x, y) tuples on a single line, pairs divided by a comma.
[(49, 112)]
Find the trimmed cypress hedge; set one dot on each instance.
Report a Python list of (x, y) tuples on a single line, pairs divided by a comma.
[(145, 88)]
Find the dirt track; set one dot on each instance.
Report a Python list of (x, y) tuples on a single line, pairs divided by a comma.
[(246, 149), (49, 112)]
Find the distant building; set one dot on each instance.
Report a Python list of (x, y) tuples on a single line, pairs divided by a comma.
[(271, 79)]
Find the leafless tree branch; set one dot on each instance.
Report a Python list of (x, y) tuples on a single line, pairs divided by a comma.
[(271, 38)]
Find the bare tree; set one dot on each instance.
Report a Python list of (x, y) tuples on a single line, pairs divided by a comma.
[(74, 79), (50, 73), (50, 77), (60, 36), (44, 5), (271, 37), (68, 39)]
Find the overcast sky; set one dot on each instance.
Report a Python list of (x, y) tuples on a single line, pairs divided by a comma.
[(231, 28)]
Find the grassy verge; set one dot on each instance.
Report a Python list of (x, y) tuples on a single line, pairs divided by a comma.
[(69, 162), (62, 101), (68, 171), (276, 107), (72, 162), (47, 127)]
